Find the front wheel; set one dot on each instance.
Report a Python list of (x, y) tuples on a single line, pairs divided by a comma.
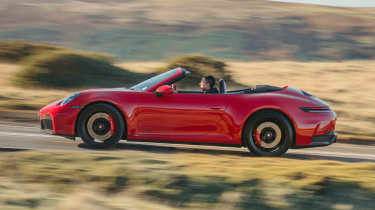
[(101, 125), (268, 133)]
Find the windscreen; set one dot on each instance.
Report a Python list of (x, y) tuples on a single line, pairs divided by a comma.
[(145, 85)]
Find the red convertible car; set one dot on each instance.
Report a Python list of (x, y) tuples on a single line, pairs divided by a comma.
[(268, 120)]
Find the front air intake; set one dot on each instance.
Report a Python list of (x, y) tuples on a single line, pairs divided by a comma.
[(316, 109), (46, 124)]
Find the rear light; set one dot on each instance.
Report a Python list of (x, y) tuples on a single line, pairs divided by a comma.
[(316, 109)]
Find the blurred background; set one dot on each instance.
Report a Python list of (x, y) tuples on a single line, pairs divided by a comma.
[(50, 48), (154, 30)]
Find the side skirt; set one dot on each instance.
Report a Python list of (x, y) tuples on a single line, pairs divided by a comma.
[(188, 143)]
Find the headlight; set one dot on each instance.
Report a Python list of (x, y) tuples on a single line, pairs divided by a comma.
[(70, 98)]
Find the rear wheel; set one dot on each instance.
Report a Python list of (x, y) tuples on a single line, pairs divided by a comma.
[(101, 125), (268, 133)]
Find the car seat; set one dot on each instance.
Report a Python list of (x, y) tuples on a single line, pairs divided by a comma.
[(222, 86)]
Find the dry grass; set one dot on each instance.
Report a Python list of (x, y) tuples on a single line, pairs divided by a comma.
[(205, 13), (279, 30), (142, 67), (347, 86), (145, 180), (23, 98)]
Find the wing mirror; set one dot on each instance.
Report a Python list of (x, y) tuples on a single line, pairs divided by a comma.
[(164, 90)]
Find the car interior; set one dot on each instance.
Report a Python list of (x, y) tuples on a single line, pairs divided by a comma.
[(223, 89)]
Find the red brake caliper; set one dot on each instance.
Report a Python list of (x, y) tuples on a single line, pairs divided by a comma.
[(257, 137), (112, 125)]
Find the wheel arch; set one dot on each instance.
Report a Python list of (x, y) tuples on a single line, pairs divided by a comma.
[(101, 102), (244, 143)]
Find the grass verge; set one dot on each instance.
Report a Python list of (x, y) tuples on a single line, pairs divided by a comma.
[(141, 180)]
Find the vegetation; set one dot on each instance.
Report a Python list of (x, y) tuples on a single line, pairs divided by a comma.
[(50, 66), (331, 86), (146, 180), (327, 81), (146, 45), (198, 66), (72, 69), (16, 51), (147, 30)]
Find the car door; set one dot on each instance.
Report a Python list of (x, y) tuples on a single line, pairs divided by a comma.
[(182, 117)]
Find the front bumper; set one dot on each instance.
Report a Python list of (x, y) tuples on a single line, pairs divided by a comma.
[(46, 123), (58, 120), (320, 141)]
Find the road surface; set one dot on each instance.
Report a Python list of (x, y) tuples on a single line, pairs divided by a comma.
[(30, 137)]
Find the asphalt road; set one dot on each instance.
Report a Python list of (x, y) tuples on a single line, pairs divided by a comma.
[(16, 137)]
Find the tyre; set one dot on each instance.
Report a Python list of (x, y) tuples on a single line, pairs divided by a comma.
[(268, 133), (101, 126)]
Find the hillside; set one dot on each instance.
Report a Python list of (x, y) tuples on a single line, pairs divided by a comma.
[(233, 30), (326, 80)]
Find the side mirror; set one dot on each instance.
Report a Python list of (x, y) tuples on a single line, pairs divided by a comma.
[(164, 90)]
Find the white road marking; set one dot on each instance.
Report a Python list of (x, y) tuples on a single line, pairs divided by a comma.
[(5, 133), (341, 154), (344, 145), (19, 126)]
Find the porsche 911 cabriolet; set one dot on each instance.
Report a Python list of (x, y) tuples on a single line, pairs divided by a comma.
[(268, 120)]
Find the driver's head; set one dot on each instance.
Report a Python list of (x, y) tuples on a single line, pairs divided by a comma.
[(207, 82)]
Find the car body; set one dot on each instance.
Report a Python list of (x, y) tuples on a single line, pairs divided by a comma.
[(153, 111)]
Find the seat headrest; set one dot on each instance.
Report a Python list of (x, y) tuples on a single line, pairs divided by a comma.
[(222, 86)]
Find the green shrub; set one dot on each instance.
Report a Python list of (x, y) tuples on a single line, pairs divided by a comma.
[(71, 69), (199, 66), (16, 51)]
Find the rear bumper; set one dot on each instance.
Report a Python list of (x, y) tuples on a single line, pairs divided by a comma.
[(320, 141)]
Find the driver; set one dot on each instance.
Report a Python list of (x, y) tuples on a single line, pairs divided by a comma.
[(208, 84)]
